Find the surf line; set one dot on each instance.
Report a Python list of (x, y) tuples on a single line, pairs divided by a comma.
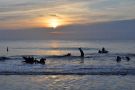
[(69, 73)]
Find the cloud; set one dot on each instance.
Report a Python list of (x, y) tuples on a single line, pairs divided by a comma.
[(76, 11)]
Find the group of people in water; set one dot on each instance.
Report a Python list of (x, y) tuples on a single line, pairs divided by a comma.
[(32, 60), (103, 50), (118, 58)]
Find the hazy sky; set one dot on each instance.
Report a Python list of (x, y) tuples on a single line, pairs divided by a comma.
[(35, 13), (74, 19)]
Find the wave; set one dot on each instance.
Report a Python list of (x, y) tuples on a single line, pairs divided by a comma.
[(80, 71)]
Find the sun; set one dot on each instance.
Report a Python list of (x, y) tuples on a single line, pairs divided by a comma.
[(53, 22)]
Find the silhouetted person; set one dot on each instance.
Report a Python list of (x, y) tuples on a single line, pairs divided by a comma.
[(42, 60), (118, 59), (29, 59), (99, 51), (103, 49), (32, 58), (7, 49), (68, 54), (127, 58), (36, 61), (81, 51)]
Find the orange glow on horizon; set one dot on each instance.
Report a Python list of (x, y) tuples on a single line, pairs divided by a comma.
[(52, 22), (44, 22)]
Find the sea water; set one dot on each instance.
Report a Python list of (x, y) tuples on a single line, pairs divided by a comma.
[(98, 71), (59, 47), (53, 51)]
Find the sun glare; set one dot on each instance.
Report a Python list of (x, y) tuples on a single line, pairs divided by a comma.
[(54, 23), (51, 22)]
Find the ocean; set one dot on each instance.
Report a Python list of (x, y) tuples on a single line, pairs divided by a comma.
[(95, 71)]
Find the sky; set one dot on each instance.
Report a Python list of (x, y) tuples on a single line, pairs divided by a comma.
[(28, 14)]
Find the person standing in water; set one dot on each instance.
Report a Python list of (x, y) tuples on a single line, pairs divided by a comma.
[(81, 51), (7, 49)]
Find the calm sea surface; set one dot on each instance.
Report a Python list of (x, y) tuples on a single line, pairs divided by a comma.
[(59, 47)]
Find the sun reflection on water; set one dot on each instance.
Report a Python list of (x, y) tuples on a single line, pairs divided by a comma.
[(53, 49), (54, 78)]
